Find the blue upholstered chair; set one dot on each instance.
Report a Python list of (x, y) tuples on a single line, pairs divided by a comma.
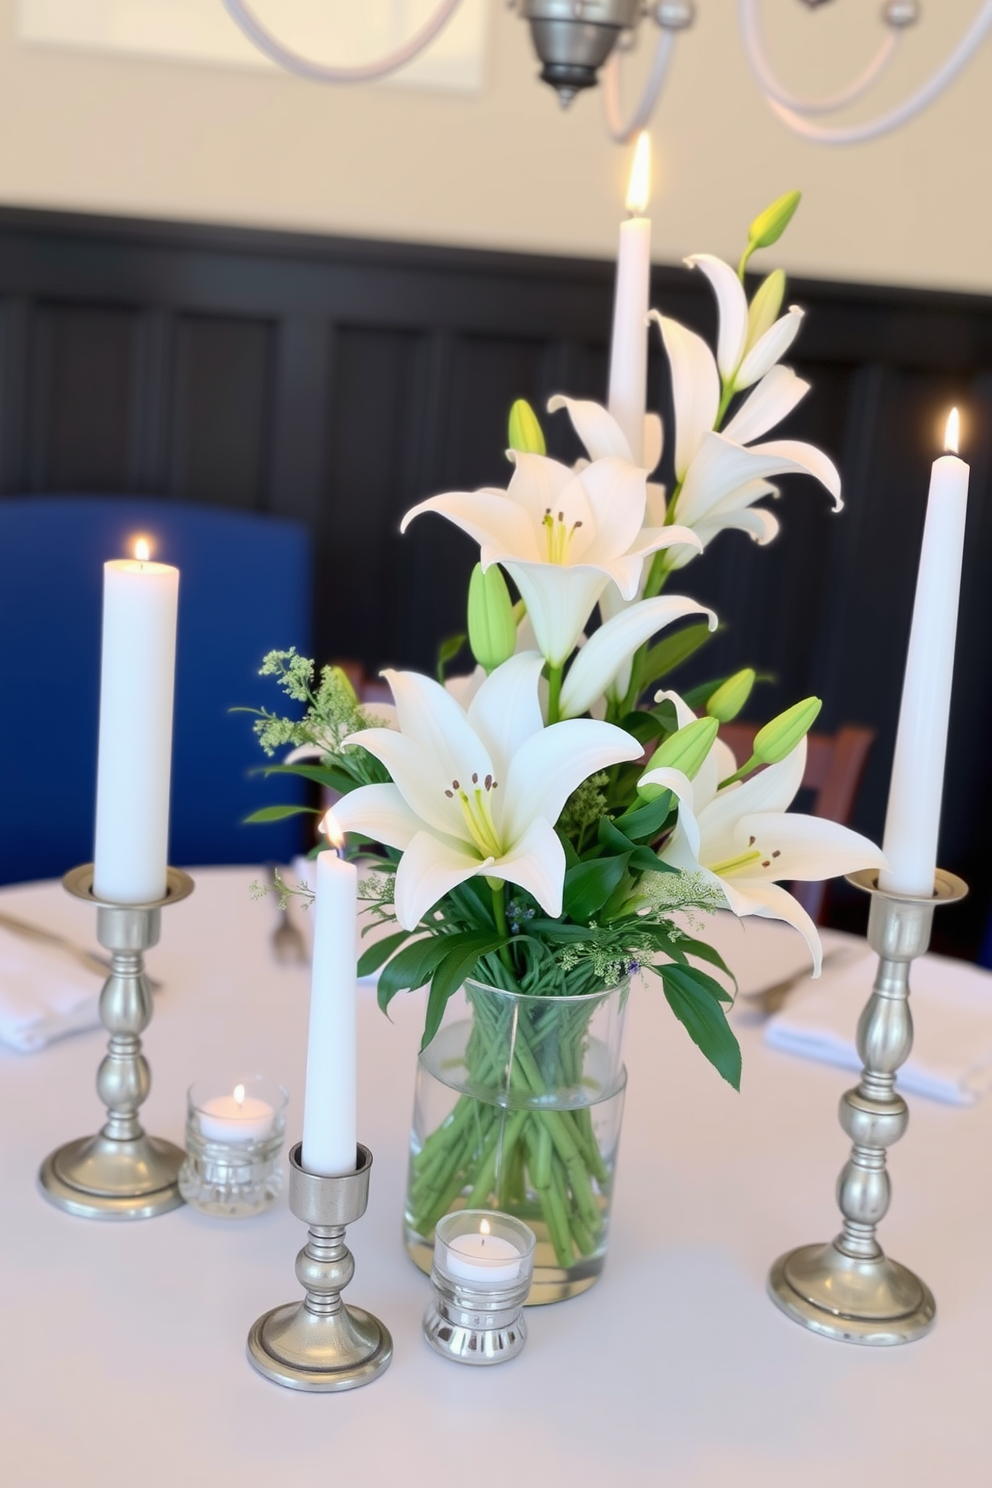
[(244, 589)]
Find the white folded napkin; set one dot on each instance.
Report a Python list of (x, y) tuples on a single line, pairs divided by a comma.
[(951, 1003), (44, 994)]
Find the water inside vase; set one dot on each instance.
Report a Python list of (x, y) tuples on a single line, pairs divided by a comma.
[(544, 1150)]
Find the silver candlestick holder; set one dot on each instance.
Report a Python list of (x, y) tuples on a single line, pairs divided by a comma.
[(121, 1173), (320, 1344), (849, 1289)]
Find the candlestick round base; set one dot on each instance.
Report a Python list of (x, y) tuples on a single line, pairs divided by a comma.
[(876, 1302), (305, 1351), (99, 1178)]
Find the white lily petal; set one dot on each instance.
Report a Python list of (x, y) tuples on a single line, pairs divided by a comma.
[(682, 848), (599, 431), (615, 642), (489, 517), (774, 398), (463, 689), (537, 864), (732, 302), (426, 871), (722, 468), (654, 439), (772, 789), (759, 524), (769, 348), (695, 389), (550, 765), (771, 902), (430, 717), (617, 494), (717, 765), (559, 601), (381, 813), (806, 847), (805, 458), (505, 711), (538, 483), (420, 777)]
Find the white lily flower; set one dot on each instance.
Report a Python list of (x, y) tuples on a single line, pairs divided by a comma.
[(476, 792), (741, 360), (607, 653), (744, 840), (562, 537), (722, 475), (602, 435)]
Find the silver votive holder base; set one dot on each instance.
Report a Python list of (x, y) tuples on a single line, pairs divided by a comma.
[(121, 1172), (230, 1173), (848, 1288), (322, 1344), (476, 1315)]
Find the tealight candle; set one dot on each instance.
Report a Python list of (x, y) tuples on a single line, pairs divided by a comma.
[(481, 1274), (236, 1118), (483, 1257)]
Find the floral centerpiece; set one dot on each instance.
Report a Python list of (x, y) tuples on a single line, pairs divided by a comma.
[(543, 829)]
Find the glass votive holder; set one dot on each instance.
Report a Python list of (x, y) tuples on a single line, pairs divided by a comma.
[(481, 1275), (235, 1128)]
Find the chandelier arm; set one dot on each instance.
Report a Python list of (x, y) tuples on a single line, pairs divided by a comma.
[(749, 15), (265, 40), (856, 134), (622, 132)]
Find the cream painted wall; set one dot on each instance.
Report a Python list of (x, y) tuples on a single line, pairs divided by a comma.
[(506, 168)]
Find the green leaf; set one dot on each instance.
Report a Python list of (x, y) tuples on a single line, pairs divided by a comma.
[(646, 821), (588, 886), (447, 651), (705, 952), (666, 655), (696, 1007), (374, 955), (411, 967), (279, 813), (451, 973)]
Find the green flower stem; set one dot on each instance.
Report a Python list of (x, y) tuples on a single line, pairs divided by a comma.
[(554, 694), (499, 914)]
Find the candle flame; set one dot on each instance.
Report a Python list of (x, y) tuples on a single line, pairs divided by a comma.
[(332, 831), (142, 549), (639, 187), (239, 1095), (484, 1227), (952, 435)]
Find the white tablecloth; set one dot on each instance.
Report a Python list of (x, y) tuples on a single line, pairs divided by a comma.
[(123, 1345)]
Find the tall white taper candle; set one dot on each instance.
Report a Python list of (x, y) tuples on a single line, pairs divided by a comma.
[(330, 1137), (137, 679), (913, 818), (627, 400)]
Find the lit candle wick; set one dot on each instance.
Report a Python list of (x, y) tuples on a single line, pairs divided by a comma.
[(952, 434), (239, 1095), (332, 832), (639, 186)]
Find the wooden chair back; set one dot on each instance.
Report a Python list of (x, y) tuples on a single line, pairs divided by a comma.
[(835, 767)]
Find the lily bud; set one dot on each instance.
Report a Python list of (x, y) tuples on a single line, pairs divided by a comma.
[(492, 631), (525, 433), (730, 696), (685, 750), (780, 737), (763, 310), (770, 224)]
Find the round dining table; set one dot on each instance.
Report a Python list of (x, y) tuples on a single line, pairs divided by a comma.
[(124, 1343)]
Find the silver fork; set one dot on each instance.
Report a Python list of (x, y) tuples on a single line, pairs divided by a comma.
[(289, 944)]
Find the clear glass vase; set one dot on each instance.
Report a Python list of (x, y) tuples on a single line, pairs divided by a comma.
[(518, 1107)]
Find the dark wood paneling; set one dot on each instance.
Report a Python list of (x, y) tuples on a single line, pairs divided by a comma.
[(340, 382), (83, 398), (222, 410)]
